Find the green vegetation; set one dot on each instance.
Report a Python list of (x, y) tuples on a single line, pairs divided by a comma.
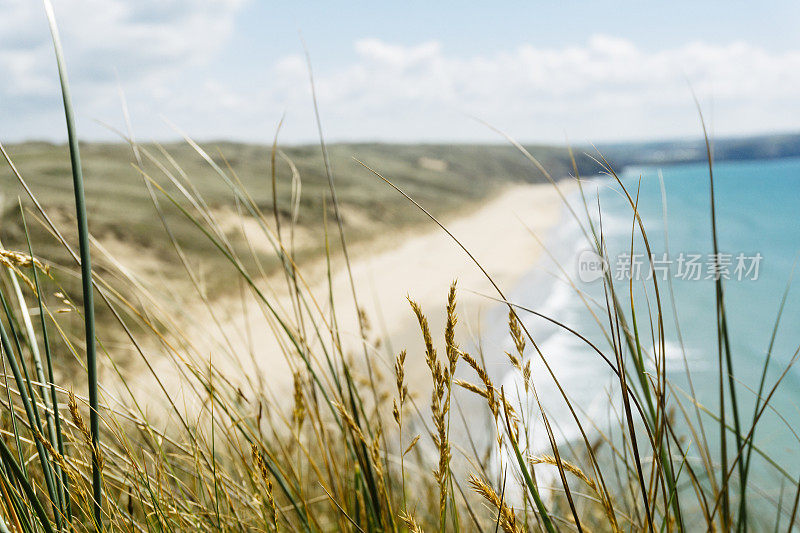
[(447, 178), (351, 451)]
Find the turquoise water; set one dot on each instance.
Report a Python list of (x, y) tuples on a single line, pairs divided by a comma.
[(757, 214)]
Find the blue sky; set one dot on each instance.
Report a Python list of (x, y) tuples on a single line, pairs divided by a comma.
[(478, 27), (404, 71)]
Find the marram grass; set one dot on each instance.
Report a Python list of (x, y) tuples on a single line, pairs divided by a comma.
[(346, 447), (86, 270)]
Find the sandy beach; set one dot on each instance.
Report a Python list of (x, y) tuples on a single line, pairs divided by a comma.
[(422, 267), (419, 264)]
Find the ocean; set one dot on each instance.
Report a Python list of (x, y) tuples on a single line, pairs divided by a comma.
[(758, 228)]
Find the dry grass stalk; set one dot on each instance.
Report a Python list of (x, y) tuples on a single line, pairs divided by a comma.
[(402, 389), (350, 421), (440, 405), (16, 260), (410, 522), (397, 412), (519, 341), (491, 396), (77, 419), (450, 330), (430, 351), (75, 479), (567, 466), (489, 392), (472, 388), (375, 452), (299, 410), (507, 518), (519, 344), (526, 375), (487, 383), (410, 447), (516, 332), (579, 473), (62, 462), (262, 468)]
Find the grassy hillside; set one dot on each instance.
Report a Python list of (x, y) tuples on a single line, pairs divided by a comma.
[(443, 178)]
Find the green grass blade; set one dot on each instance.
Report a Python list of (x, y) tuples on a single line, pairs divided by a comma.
[(86, 267), (8, 459), (56, 435), (26, 392)]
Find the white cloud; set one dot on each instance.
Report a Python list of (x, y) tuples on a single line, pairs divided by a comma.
[(602, 88), (602, 72), (145, 44), (605, 88)]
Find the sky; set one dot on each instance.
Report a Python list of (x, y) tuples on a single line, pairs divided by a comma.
[(410, 71)]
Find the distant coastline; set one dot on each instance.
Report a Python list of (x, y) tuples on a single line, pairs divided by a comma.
[(554, 157)]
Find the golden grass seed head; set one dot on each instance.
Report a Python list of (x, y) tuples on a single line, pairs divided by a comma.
[(299, 410), (410, 522), (430, 351), (526, 375), (567, 466), (516, 332), (79, 422), (396, 412), (507, 518), (400, 374), (450, 328), (262, 469), (15, 260)]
